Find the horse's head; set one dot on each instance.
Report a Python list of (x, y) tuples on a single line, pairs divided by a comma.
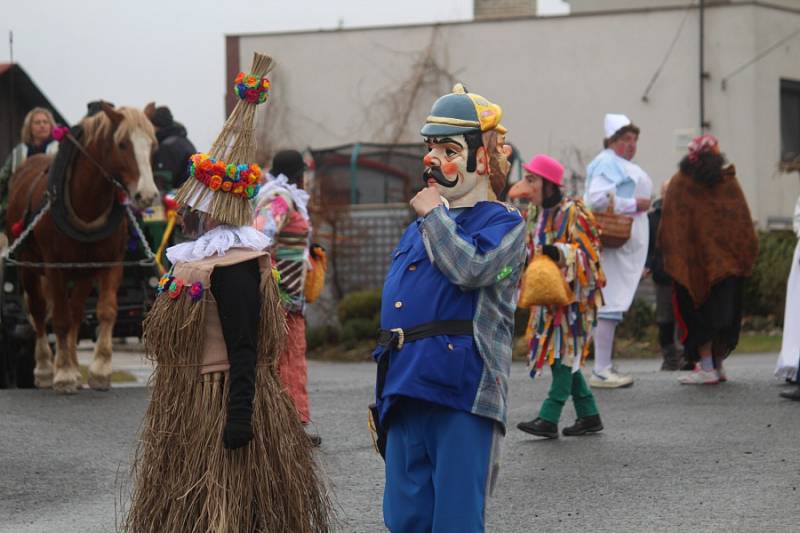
[(130, 142)]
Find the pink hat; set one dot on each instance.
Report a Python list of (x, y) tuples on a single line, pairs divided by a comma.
[(546, 167)]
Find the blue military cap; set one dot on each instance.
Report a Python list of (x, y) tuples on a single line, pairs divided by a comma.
[(461, 112)]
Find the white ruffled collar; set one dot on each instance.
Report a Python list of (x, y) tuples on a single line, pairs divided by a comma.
[(218, 241), (281, 183)]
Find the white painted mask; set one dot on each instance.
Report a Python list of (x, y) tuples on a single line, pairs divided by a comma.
[(447, 169)]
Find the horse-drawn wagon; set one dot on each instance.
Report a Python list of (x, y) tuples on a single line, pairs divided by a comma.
[(134, 298), (76, 240)]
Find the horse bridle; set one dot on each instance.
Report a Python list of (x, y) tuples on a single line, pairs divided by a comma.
[(107, 175)]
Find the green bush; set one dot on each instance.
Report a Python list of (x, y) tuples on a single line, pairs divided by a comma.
[(359, 329), (765, 290), (360, 304), (316, 337), (637, 321)]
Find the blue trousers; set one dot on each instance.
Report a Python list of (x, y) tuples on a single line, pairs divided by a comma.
[(438, 469)]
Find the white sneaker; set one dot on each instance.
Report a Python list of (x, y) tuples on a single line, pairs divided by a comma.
[(723, 376), (609, 379), (700, 377)]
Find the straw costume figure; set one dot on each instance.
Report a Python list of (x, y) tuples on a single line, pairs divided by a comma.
[(221, 447)]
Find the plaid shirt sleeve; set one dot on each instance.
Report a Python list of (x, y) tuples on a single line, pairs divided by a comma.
[(461, 261)]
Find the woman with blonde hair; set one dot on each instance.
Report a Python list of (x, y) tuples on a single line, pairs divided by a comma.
[(37, 138)]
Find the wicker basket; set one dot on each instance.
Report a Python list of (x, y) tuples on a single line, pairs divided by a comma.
[(615, 230)]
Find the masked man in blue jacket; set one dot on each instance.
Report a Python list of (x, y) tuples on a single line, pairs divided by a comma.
[(447, 312)]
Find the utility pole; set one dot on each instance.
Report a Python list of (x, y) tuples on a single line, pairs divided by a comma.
[(702, 68)]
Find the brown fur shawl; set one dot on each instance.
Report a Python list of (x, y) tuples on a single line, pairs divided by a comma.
[(706, 233)]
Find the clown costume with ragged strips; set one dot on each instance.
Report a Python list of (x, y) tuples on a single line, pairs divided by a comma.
[(561, 336)]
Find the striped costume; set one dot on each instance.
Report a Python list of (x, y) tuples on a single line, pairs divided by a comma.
[(281, 214)]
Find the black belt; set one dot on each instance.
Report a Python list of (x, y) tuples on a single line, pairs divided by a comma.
[(395, 339)]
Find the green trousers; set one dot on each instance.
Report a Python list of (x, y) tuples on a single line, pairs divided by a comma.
[(566, 383)]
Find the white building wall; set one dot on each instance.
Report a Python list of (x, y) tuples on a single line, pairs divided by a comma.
[(555, 78), (577, 6), (778, 190), (733, 112)]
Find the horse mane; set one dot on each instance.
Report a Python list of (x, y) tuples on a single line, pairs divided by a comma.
[(99, 127)]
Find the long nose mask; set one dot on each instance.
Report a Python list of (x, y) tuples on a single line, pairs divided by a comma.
[(436, 174)]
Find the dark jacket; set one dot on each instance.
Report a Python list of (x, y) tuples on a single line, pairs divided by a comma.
[(171, 160), (655, 258)]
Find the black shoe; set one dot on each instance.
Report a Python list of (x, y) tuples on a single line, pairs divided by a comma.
[(670, 365), (582, 426), (670, 359), (540, 428), (314, 439), (793, 395)]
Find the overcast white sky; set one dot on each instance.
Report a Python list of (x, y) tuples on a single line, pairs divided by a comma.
[(172, 51)]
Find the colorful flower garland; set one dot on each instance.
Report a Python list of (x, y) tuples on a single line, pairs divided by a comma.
[(241, 180), (251, 89), (174, 286)]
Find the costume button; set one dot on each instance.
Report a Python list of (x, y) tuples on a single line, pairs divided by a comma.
[(412, 268), (450, 346), (398, 305)]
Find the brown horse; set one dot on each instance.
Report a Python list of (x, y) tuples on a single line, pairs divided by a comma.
[(116, 143)]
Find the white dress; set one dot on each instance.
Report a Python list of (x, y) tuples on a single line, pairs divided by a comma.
[(790, 346), (623, 266)]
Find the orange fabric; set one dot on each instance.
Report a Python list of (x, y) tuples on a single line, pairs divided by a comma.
[(315, 277), (292, 366)]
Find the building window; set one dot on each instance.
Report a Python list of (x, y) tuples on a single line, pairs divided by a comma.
[(790, 124)]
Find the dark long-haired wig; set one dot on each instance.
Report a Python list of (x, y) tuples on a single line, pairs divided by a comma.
[(707, 168)]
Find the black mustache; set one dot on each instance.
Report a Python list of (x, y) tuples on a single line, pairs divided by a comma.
[(436, 174)]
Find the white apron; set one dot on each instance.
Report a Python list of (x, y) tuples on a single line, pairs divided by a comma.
[(623, 266), (790, 346)]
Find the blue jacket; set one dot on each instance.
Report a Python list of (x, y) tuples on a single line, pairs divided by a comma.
[(477, 261), (609, 165)]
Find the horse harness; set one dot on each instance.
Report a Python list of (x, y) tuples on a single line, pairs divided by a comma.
[(56, 201)]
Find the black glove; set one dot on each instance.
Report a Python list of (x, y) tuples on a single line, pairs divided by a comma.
[(552, 252), (237, 433)]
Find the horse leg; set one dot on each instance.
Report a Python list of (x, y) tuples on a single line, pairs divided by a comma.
[(67, 375), (37, 314), (77, 301), (100, 369)]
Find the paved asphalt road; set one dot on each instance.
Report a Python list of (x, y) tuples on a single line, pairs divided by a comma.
[(672, 458)]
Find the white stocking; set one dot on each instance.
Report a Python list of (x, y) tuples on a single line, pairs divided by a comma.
[(603, 343)]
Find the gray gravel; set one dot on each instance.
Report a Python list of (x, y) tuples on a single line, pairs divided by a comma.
[(672, 458)]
